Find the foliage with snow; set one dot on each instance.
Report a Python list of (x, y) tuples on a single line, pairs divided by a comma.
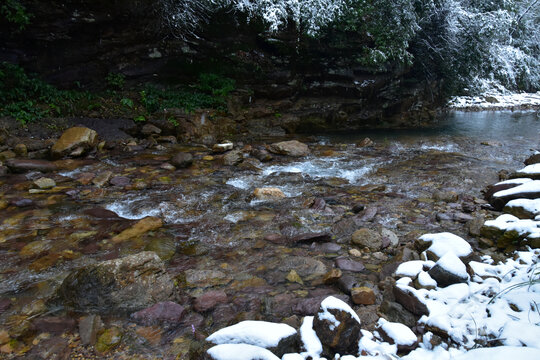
[(474, 45)]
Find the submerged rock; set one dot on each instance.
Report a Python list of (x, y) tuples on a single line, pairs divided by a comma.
[(24, 165), (142, 226), (117, 286), (163, 312), (182, 160), (75, 141)]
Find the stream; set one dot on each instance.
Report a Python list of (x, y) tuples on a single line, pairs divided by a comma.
[(216, 236)]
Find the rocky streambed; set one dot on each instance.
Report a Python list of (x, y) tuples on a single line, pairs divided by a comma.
[(142, 247)]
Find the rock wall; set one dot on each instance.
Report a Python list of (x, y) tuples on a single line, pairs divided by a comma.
[(294, 85)]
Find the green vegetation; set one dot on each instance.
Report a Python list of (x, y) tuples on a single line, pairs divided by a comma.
[(27, 98), (15, 13)]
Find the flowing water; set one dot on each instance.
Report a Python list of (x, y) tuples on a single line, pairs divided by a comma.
[(213, 222)]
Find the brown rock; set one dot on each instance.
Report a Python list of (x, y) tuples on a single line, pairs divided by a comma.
[(268, 193), (25, 165), (332, 276), (53, 324), (149, 223), (367, 238), (363, 295), (163, 312), (410, 301), (73, 140)]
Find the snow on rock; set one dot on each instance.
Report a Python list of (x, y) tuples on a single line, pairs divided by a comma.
[(443, 243), (337, 326), (527, 190), (501, 353), (279, 338), (449, 270), (310, 342), (396, 333), (516, 181), (523, 208), (496, 101), (531, 171), (508, 229), (426, 281), (410, 268), (240, 352)]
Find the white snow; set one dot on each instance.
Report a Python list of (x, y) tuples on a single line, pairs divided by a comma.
[(530, 169), (530, 205), (498, 101), (527, 187), (312, 344), (259, 333), (501, 353), (518, 181), (508, 222), (410, 268), (425, 280), (332, 302), (400, 334), (240, 352), (442, 243), (452, 264)]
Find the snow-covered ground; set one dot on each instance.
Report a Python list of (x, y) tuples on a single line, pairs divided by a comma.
[(496, 101)]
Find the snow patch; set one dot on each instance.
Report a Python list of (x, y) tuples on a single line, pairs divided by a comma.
[(259, 333)]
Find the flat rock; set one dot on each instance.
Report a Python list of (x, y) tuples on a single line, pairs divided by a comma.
[(349, 265), (291, 148), (141, 227), (209, 300), (25, 165), (367, 238)]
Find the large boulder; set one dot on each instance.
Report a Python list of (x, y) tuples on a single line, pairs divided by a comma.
[(290, 148), (116, 286), (74, 141), (337, 326)]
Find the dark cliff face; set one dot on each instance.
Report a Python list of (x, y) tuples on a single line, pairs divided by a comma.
[(312, 84)]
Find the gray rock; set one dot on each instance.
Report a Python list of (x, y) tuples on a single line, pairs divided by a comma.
[(117, 286), (233, 157), (149, 129), (89, 327), (445, 275), (349, 265), (290, 148), (395, 312), (182, 160)]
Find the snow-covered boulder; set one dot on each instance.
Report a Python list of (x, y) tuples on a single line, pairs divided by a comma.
[(531, 171), (277, 338), (337, 326), (239, 352), (396, 333), (523, 208), (508, 230), (439, 244), (527, 190), (449, 270)]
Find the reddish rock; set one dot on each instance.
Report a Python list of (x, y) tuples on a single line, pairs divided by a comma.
[(349, 265), (311, 237), (209, 300), (167, 311), (120, 181), (25, 165), (53, 324)]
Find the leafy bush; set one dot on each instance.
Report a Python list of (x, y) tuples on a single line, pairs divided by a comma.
[(14, 12)]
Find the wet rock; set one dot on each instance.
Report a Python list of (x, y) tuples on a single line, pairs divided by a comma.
[(445, 196), (3, 171), (475, 225), (367, 238), (409, 301), (363, 295), (461, 217), (349, 265), (311, 237), (76, 141), (149, 129), (367, 214), (120, 181), (233, 157), (6, 155), (327, 247), (389, 238), (109, 340), (268, 193), (306, 267), (209, 300), (53, 324), (251, 164), (4, 305), (45, 183), (149, 223), (165, 248), (89, 326), (21, 202), (163, 312), (290, 148), (205, 278), (101, 213), (55, 348), (276, 239), (25, 165), (182, 160), (332, 276), (21, 150), (346, 283), (337, 326), (293, 277), (117, 286), (366, 142), (102, 178), (533, 159), (261, 155), (222, 147)]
